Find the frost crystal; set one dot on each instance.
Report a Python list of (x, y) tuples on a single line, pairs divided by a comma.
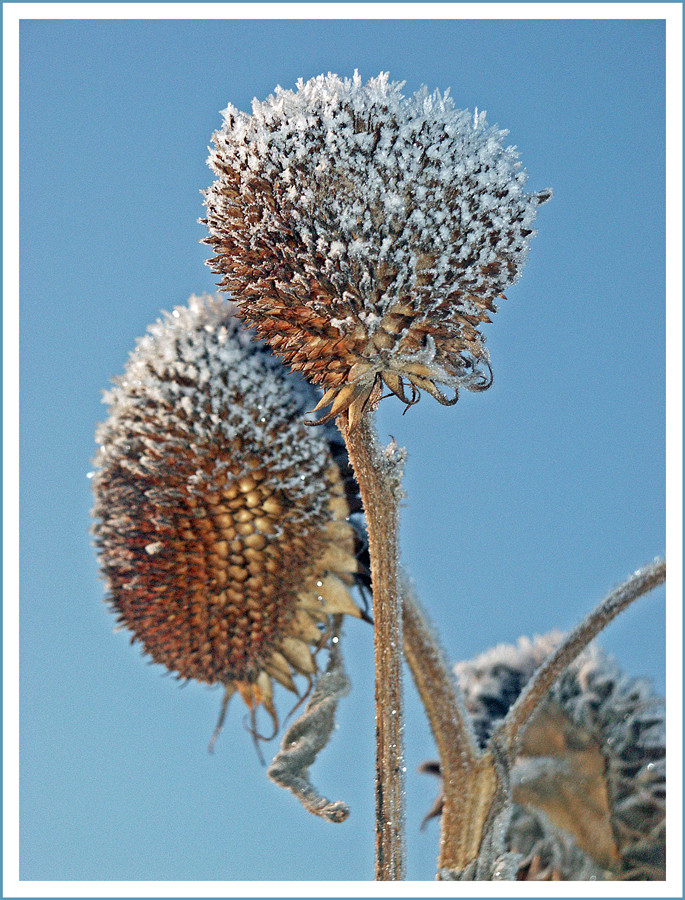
[(367, 235)]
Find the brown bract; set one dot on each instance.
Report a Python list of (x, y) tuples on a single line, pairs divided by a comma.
[(353, 361)]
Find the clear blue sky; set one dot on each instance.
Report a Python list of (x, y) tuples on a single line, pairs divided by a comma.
[(525, 504)]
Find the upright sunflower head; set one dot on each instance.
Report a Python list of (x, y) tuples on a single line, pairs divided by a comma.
[(367, 236), (221, 520)]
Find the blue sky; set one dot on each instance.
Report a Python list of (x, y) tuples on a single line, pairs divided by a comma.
[(524, 506)]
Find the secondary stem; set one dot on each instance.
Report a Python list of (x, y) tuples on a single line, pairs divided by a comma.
[(378, 488), (469, 778), (519, 715)]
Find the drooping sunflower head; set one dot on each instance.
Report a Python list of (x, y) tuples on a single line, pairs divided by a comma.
[(220, 518), (367, 236)]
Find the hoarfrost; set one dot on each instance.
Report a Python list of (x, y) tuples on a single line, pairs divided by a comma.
[(359, 157), (191, 373)]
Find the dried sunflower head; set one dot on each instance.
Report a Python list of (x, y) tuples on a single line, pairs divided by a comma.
[(589, 783), (221, 520), (367, 235)]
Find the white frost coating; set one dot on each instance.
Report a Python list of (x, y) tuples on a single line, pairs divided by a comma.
[(198, 380), (368, 174)]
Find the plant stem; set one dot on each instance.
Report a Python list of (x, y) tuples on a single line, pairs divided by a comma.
[(379, 488), (577, 640), (469, 778)]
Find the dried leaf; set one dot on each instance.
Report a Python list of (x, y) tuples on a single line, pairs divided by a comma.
[(562, 771), (309, 735)]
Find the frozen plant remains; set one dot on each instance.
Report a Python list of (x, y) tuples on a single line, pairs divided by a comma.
[(221, 519), (367, 235)]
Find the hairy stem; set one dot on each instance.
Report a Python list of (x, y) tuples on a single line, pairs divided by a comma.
[(378, 478), (469, 779), (535, 691)]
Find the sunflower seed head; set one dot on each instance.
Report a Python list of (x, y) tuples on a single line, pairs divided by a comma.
[(367, 235), (217, 509), (589, 784)]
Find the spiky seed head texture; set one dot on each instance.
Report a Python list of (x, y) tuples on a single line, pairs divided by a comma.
[(367, 235), (220, 519), (589, 787)]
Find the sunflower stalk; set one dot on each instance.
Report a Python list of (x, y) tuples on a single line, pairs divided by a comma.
[(378, 476), (377, 274)]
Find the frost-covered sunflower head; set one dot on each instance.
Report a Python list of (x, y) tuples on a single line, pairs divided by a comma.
[(221, 519), (367, 235), (589, 782)]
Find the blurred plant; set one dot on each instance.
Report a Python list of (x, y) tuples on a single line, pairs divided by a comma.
[(588, 784), (366, 237)]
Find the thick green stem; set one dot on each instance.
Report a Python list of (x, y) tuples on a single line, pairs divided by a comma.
[(379, 488)]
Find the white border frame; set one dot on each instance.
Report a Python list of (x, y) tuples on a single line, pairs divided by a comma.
[(13, 13)]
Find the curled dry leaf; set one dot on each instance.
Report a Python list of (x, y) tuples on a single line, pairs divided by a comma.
[(308, 735)]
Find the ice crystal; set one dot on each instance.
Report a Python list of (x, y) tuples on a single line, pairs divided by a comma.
[(368, 235)]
